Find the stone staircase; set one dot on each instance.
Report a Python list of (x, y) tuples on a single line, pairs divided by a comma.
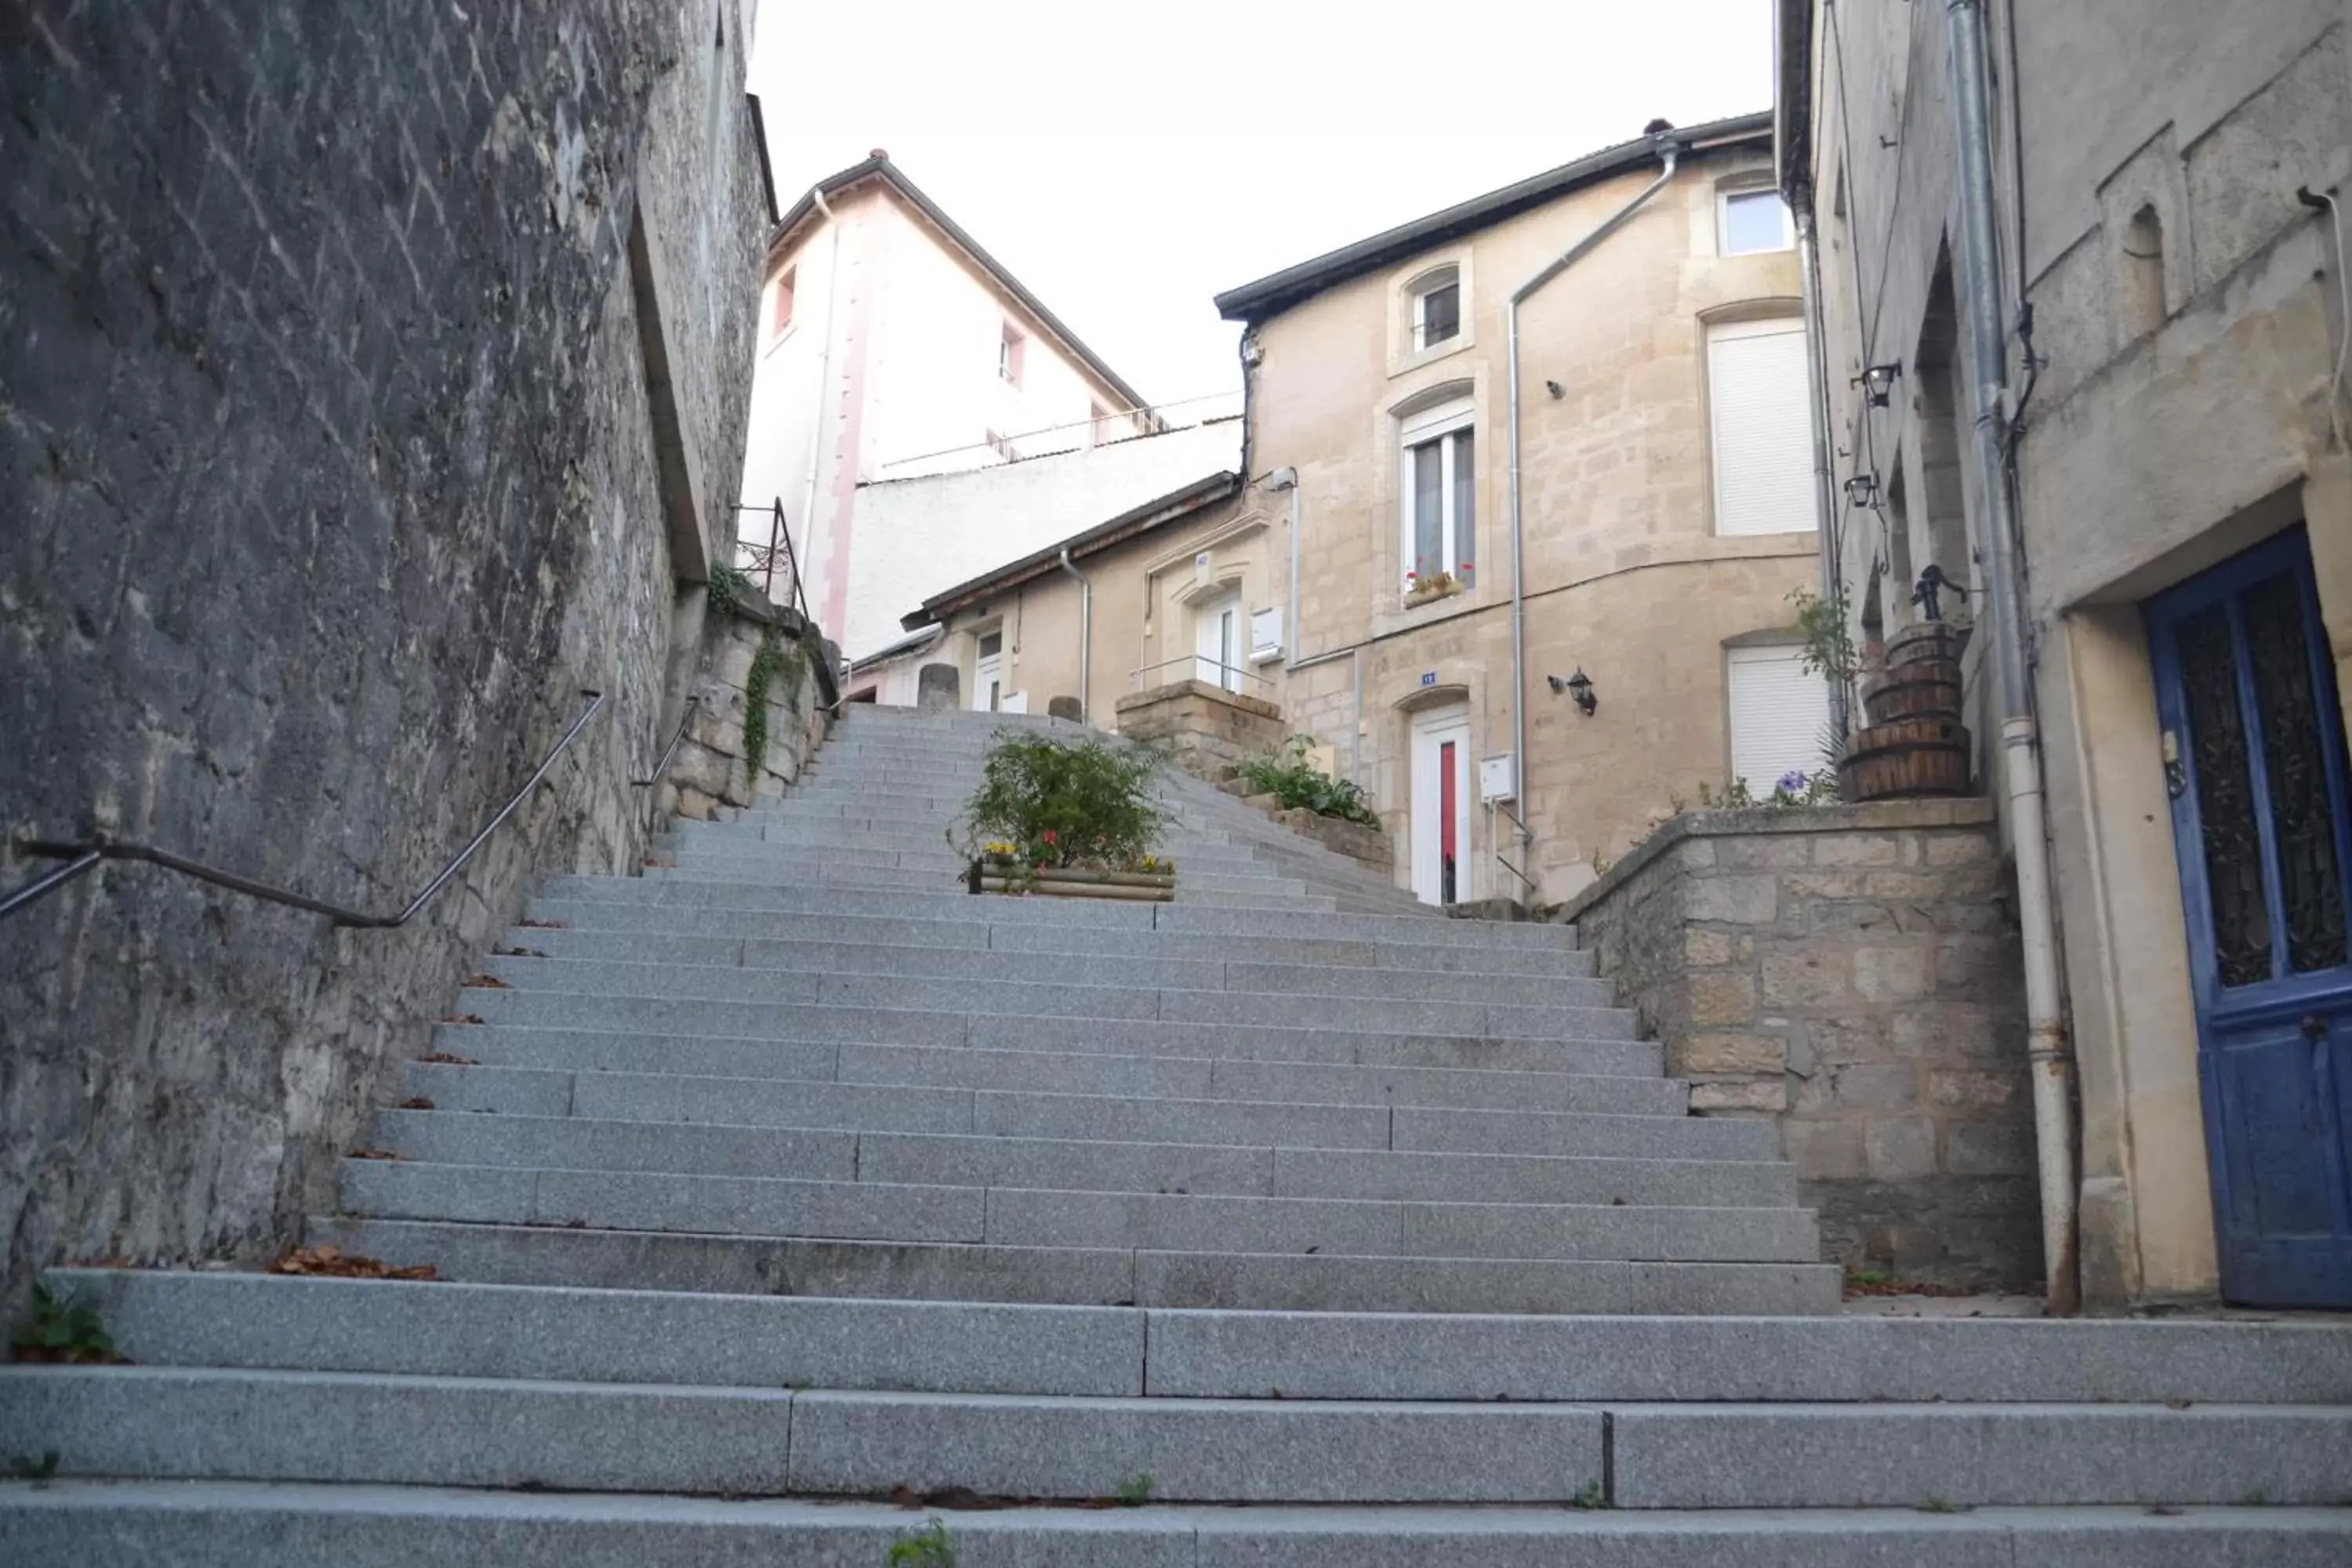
[(787, 1177)]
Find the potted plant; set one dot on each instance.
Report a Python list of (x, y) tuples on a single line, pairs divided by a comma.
[(1420, 587), (1072, 818)]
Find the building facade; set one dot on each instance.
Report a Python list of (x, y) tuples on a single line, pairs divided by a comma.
[(2166, 283), (1668, 506), (891, 345)]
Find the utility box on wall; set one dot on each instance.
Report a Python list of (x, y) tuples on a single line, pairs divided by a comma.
[(1499, 778)]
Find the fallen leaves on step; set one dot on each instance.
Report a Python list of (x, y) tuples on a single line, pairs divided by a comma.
[(417, 1103), (463, 1019), (518, 953), (333, 1262), (487, 983), (375, 1154), (959, 1498), (449, 1058), (546, 925), (1854, 1287)]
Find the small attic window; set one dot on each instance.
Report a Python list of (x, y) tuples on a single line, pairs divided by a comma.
[(1436, 309)]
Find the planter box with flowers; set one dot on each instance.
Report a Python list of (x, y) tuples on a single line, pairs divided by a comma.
[(1065, 819), (1423, 587)]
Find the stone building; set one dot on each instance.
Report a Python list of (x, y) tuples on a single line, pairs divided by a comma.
[(1668, 510), (371, 392), (2162, 277)]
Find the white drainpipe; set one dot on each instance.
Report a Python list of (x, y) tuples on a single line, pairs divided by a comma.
[(1669, 152), (2047, 1047), (823, 363), (1288, 479), (1085, 637)]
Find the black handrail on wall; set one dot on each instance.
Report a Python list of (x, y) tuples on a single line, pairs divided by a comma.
[(765, 558), (81, 857)]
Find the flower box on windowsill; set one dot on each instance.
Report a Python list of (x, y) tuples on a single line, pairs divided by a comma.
[(1419, 590), (998, 874)]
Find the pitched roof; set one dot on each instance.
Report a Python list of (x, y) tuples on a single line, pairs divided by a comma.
[(1278, 292), (1157, 512), (879, 167)]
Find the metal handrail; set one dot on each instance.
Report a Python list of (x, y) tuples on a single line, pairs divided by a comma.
[(81, 857), (762, 558), (675, 742), (1197, 659), (1525, 837)]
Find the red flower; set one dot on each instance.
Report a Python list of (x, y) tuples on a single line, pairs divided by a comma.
[(1049, 836)]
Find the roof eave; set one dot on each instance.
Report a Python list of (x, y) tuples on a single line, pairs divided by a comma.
[(1792, 100)]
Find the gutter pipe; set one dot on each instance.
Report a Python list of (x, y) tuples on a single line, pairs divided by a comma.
[(824, 366), (1288, 479), (1085, 637), (1669, 152), (2047, 1049), (1809, 263)]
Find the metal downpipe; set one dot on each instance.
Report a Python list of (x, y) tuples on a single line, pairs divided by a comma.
[(1670, 152), (2049, 1051), (1086, 638), (1817, 378)]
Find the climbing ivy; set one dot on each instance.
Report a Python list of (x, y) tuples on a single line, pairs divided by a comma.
[(775, 656), (729, 585)]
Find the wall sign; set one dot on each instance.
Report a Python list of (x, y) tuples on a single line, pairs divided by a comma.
[(1429, 677)]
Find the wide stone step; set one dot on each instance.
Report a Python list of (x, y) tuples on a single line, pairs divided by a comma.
[(1429, 927), (782, 972), (1158, 1075), (894, 1107), (635, 989), (254, 1425), (228, 1524), (976, 1160), (446, 1329), (721, 936), (868, 869), (720, 1055), (955, 1271), (1013, 1216)]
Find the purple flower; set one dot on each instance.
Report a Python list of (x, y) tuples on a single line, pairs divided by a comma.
[(1792, 782)]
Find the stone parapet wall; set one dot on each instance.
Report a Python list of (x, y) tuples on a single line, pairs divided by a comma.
[(711, 768), (1202, 728), (1853, 972)]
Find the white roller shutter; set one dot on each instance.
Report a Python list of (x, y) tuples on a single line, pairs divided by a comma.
[(1778, 714), (1763, 436)]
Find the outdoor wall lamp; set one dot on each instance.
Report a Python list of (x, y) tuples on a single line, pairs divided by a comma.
[(1877, 384), (1580, 686), (1863, 490)]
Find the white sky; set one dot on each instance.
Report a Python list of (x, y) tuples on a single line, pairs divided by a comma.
[(1127, 171)]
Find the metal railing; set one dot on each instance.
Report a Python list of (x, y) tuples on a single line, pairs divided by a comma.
[(86, 856), (763, 560), (1198, 662), (662, 767)]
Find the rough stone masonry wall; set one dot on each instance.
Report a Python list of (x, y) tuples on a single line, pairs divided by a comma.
[(1854, 973), (329, 467)]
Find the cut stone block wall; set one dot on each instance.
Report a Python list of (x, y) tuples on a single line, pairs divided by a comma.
[(1853, 972), (711, 769), (373, 379), (1201, 728)]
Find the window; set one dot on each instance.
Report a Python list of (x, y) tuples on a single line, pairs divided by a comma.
[(780, 303), (1437, 309), (1778, 713), (1755, 221), (1008, 355), (1440, 490), (1763, 441)]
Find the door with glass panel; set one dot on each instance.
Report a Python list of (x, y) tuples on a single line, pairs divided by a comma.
[(2253, 753)]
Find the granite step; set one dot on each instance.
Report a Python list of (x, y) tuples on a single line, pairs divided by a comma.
[(224, 1524)]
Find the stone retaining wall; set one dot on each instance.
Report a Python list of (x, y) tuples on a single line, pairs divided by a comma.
[(1201, 728), (1853, 972)]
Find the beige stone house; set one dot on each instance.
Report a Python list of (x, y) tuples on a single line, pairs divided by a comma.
[(1667, 495), (2160, 448)]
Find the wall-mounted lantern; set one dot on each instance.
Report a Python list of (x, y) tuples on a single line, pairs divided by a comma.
[(1877, 384), (1579, 687), (1863, 490)]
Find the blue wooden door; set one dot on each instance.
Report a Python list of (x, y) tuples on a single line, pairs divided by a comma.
[(2254, 761)]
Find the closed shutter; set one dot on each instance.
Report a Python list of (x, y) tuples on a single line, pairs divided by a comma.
[(1777, 713), (1763, 432)]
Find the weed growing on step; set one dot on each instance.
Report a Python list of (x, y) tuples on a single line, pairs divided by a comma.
[(1938, 1505), (929, 1547), (25, 1467), (62, 1330), (1136, 1491), (1592, 1497), (727, 585)]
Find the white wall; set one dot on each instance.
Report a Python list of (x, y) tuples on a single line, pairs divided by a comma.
[(917, 537)]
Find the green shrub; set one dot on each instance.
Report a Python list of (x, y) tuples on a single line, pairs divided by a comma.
[(1049, 802), (1291, 776)]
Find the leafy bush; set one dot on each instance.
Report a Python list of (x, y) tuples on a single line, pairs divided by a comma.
[(1291, 776), (1792, 789), (1049, 802)]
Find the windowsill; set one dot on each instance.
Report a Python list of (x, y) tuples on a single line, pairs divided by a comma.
[(1415, 360), (1422, 599)]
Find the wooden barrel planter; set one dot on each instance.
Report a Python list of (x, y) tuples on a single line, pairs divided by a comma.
[(1070, 882), (1922, 679), (1906, 758)]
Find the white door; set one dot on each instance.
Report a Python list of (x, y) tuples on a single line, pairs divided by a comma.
[(988, 673), (1441, 805), (1779, 715), (1219, 624)]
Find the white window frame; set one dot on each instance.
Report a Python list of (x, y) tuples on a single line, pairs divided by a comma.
[(1431, 283), (1722, 200), (1416, 430), (1010, 341), (784, 287)]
